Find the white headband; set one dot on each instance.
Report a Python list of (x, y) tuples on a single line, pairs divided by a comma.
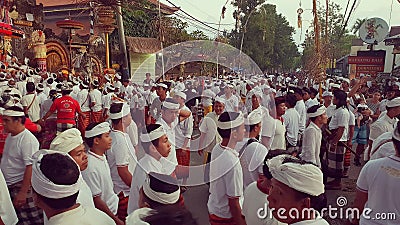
[(321, 110), (162, 85), (155, 134), (170, 105), (124, 111), (231, 124), (43, 186), (13, 113), (220, 100), (160, 197), (97, 130), (181, 94)]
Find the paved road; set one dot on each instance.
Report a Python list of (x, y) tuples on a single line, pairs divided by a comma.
[(196, 197)]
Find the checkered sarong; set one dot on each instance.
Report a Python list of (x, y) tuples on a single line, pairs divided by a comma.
[(61, 127), (29, 214), (335, 161), (97, 117), (83, 123)]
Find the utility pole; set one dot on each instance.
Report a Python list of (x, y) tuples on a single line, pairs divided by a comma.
[(122, 40)]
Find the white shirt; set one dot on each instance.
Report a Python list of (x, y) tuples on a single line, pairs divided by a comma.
[(208, 126), (98, 177), (226, 180), (41, 97), (382, 125), (291, 118), (251, 160), (95, 97), (21, 86), (172, 161), (84, 100), (340, 118), (311, 144), (231, 103), (7, 212), (184, 130), (18, 151), (380, 179), (85, 197), (34, 110), (122, 153), (132, 132), (254, 200), (147, 164), (301, 109), (82, 216), (382, 146), (279, 141), (330, 110)]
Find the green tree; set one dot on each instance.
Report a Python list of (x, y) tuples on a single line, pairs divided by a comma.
[(357, 25)]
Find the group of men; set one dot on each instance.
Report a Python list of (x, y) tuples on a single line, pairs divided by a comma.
[(119, 152)]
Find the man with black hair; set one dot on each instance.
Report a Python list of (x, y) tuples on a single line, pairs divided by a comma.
[(374, 175), (297, 191), (66, 108), (291, 118), (251, 152), (156, 147), (155, 107), (255, 196), (122, 156), (275, 138), (226, 176), (97, 175), (16, 165), (56, 184), (339, 126), (30, 102), (313, 135)]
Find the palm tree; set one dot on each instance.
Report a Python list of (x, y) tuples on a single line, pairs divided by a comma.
[(357, 25)]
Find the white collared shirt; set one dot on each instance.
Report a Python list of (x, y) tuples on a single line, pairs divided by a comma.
[(7, 212), (382, 125), (340, 118), (84, 100), (98, 177), (226, 180), (311, 144), (301, 109), (95, 97), (291, 118)]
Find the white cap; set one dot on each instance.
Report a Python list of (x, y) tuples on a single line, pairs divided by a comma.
[(67, 141), (220, 100), (254, 117), (181, 94), (327, 94)]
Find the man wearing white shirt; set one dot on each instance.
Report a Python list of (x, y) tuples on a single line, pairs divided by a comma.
[(291, 118), (313, 135), (7, 212), (96, 104), (231, 101), (301, 109)]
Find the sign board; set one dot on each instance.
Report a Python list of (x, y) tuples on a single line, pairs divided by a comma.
[(361, 60), (369, 68)]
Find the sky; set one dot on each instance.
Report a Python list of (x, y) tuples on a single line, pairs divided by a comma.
[(209, 11)]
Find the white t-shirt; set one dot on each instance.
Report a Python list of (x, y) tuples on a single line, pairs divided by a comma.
[(254, 200), (231, 103), (7, 212), (208, 126), (98, 177), (279, 141), (184, 130), (146, 165), (301, 109), (122, 153), (226, 180), (18, 151), (380, 179), (83, 216), (251, 160), (291, 118), (95, 97), (41, 97), (34, 110), (84, 100), (382, 125), (340, 118)]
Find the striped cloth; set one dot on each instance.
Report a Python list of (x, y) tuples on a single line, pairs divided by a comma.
[(83, 123), (61, 127), (97, 117), (29, 214), (335, 161)]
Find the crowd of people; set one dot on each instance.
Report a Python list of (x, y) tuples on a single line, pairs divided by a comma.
[(112, 151)]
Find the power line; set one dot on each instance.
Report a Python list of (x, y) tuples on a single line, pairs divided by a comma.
[(192, 16), (194, 23)]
